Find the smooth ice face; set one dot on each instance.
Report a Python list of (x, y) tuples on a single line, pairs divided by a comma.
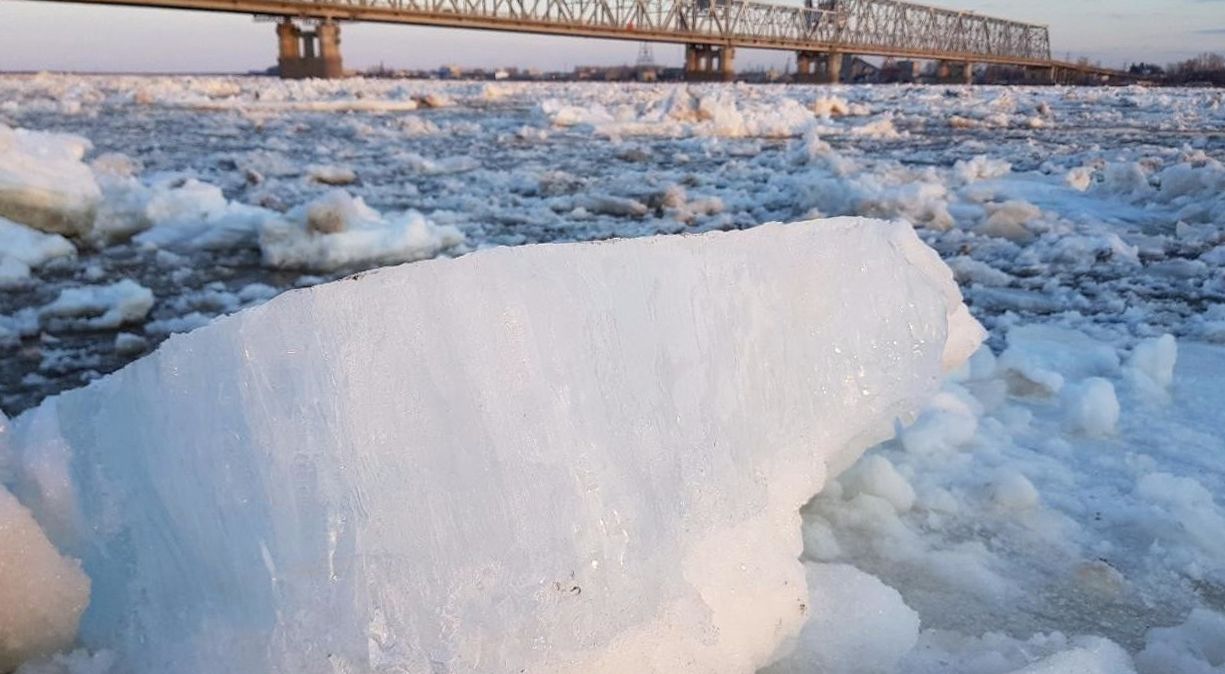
[(558, 458)]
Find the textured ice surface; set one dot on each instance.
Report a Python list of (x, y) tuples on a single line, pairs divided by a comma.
[(23, 248), (42, 594), (1024, 533), (856, 624), (97, 307), (1025, 528), (566, 458), (43, 182), (1109, 208), (338, 231)]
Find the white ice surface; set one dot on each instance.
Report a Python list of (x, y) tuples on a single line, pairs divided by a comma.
[(1126, 245), (188, 217), (554, 458), (338, 230), (1197, 646), (1153, 360), (42, 594), (44, 183), (1088, 547), (856, 625), (23, 249), (1092, 406), (98, 307)]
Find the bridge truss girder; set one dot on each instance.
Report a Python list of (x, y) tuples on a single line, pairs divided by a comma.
[(879, 27)]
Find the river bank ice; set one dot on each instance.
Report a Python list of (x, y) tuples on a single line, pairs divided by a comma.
[(1051, 509)]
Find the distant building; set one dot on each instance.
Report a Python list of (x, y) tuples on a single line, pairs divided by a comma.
[(671, 74), (614, 74)]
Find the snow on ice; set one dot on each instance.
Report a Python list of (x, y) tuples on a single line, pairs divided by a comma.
[(555, 458)]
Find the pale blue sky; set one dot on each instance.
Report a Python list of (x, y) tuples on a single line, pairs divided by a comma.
[(38, 34)]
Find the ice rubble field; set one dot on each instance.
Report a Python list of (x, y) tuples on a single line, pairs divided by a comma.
[(1054, 508)]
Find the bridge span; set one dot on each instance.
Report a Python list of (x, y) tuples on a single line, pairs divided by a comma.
[(820, 33)]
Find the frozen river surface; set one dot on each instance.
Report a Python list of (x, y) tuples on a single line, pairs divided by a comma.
[(1099, 201), (1057, 506)]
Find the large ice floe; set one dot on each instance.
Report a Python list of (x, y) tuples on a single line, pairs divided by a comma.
[(554, 458)]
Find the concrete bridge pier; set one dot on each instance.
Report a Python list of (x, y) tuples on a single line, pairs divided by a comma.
[(289, 59), (1075, 76), (814, 67), (710, 63), (304, 53), (1068, 76), (328, 33), (831, 68), (803, 66), (1042, 75), (955, 72)]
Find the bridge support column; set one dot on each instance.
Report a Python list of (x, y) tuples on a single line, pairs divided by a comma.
[(1042, 75), (330, 64), (710, 63), (289, 59), (954, 72), (305, 54), (803, 66), (833, 68), (818, 67), (727, 64)]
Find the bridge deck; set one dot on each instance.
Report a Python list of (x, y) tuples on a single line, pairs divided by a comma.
[(869, 27)]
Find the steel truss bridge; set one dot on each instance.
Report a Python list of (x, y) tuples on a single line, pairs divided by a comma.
[(890, 28)]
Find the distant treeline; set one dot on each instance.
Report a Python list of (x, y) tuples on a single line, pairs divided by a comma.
[(1207, 68)]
